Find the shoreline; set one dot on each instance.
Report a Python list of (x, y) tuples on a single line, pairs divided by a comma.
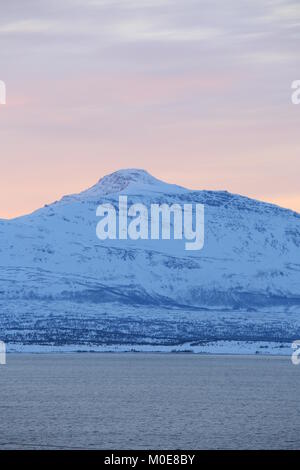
[(232, 348)]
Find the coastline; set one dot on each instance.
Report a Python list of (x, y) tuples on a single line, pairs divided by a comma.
[(240, 348)]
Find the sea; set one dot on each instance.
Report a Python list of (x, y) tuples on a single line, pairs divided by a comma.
[(149, 401)]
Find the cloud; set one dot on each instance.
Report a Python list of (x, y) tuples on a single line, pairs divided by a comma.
[(286, 11), (269, 57), (123, 4), (30, 26), (142, 30)]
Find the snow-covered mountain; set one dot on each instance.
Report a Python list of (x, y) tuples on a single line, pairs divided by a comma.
[(60, 284)]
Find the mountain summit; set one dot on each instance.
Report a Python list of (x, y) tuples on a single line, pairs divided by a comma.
[(127, 176), (128, 180)]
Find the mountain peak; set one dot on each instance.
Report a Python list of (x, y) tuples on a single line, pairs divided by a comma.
[(128, 175), (126, 179)]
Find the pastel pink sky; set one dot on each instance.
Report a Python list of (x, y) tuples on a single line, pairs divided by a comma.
[(197, 92)]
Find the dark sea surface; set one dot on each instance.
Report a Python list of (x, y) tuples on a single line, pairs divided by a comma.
[(142, 401)]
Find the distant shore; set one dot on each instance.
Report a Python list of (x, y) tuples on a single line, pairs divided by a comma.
[(213, 347)]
